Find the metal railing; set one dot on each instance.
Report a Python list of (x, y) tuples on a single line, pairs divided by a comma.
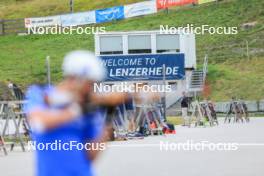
[(13, 123), (253, 106), (243, 49)]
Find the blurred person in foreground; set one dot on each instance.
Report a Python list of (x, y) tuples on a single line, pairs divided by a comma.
[(70, 115)]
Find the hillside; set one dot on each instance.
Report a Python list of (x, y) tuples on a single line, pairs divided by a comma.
[(10, 9), (231, 72)]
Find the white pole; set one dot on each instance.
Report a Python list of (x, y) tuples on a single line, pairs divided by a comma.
[(247, 50), (48, 70), (164, 98)]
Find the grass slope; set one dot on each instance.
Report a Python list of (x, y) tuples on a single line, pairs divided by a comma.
[(10, 9), (22, 58), (244, 80)]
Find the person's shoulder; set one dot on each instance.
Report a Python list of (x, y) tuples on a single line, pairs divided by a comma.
[(34, 98), (36, 92), (34, 89)]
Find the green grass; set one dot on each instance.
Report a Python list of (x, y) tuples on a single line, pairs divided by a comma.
[(22, 58), (244, 80), (10, 9), (175, 120)]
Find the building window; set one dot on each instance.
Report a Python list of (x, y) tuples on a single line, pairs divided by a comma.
[(173, 85), (168, 43), (139, 44), (111, 45)]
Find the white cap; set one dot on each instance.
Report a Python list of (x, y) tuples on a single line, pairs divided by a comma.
[(84, 64)]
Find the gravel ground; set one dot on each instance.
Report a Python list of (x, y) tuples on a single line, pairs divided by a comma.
[(147, 157)]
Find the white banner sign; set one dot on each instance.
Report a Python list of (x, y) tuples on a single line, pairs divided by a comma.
[(76, 19), (141, 8), (42, 21)]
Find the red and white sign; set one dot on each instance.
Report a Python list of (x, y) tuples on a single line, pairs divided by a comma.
[(42, 21), (162, 4)]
